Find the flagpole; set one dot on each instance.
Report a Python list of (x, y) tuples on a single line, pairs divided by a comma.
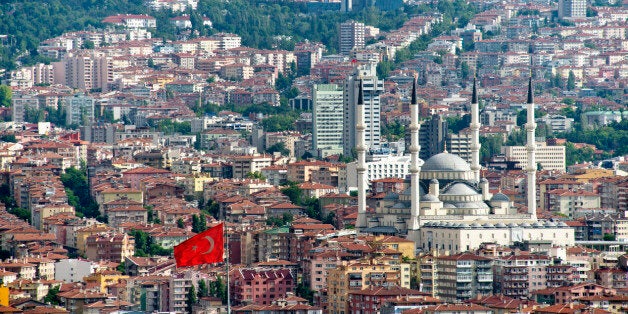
[(228, 280)]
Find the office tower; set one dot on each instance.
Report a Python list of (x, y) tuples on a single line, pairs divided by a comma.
[(432, 136), (351, 36), (372, 88), (327, 124), (572, 8)]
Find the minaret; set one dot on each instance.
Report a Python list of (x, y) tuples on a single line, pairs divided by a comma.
[(414, 160), (475, 134), (360, 148), (531, 148)]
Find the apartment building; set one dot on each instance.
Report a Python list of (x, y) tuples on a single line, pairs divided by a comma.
[(462, 276), (517, 275), (549, 157)]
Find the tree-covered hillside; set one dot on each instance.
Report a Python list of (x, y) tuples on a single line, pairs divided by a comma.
[(27, 22)]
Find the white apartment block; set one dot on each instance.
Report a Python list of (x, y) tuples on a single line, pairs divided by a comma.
[(557, 123), (549, 157), (386, 167), (327, 125)]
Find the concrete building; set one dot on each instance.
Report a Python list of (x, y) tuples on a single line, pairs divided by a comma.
[(386, 167), (22, 104), (73, 270), (79, 109), (572, 9), (463, 276), (557, 123), (517, 275), (360, 275), (432, 136), (351, 36), (459, 145), (549, 157), (87, 70), (372, 88), (328, 123)]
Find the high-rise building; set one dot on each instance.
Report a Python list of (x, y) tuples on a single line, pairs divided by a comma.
[(22, 105), (432, 136), (86, 71), (372, 88), (351, 36), (328, 123), (572, 8), (460, 145), (79, 109)]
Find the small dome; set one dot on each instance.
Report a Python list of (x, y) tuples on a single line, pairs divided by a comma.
[(391, 196), (464, 225), (512, 225), (475, 225), (537, 225), (429, 198), (549, 224), (460, 189), (562, 224), (483, 180), (399, 206), (449, 205), (434, 181), (525, 225), (488, 225), (427, 224), (500, 225), (500, 197), (445, 162)]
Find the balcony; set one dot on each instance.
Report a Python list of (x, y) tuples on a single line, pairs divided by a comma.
[(485, 278), (463, 295), (464, 278)]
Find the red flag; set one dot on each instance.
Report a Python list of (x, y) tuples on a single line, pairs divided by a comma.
[(203, 248)]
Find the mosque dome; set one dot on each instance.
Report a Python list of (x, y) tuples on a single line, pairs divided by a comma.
[(500, 197), (460, 189), (445, 162), (429, 198)]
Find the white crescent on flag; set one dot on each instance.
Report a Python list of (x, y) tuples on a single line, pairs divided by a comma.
[(211, 244)]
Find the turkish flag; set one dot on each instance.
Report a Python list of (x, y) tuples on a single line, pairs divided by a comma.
[(203, 248)]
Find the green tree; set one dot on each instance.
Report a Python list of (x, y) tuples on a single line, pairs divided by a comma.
[(203, 289), (77, 190), (279, 147), (464, 70), (218, 289), (255, 175), (53, 296), (180, 223), (199, 223), (571, 81), (8, 138), (6, 95), (192, 299), (278, 123)]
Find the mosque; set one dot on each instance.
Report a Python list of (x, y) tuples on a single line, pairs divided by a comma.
[(447, 206)]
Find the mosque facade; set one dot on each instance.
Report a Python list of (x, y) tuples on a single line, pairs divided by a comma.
[(448, 207)]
